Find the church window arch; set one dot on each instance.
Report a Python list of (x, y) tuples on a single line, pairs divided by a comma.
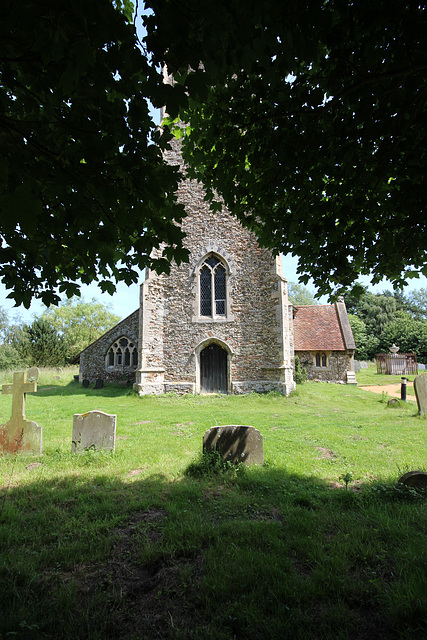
[(321, 359), (122, 353), (212, 284)]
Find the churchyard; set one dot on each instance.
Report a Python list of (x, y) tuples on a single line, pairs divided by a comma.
[(151, 540)]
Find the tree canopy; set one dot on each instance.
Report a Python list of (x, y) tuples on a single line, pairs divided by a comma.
[(79, 323), (84, 191), (298, 294), (308, 118)]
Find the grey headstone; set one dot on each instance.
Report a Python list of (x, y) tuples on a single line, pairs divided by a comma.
[(94, 430), (394, 403), (421, 367), (86, 383), (417, 479), (356, 366), (99, 383), (235, 443), (363, 365), (420, 388)]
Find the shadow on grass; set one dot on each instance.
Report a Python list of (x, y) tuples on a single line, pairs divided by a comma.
[(109, 390), (262, 555)]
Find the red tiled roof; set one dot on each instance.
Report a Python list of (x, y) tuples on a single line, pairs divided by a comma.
[(317, 328)]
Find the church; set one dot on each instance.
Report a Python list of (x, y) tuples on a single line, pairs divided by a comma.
[(221, 322)]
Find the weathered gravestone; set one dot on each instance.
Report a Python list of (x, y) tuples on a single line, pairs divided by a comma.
[(93, 430), (235, 443), (420, 388), (421, 367), (363, 364), (356, 366), (99, 383), (33, 374), (20, 435), (416, 479)]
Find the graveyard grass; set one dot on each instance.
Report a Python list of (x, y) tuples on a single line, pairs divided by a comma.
[(127, 546)]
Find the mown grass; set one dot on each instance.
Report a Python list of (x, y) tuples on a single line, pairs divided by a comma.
[(126, 545), (370, 376)]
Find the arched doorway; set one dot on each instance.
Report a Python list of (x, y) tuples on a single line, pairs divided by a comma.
[(213, 369)]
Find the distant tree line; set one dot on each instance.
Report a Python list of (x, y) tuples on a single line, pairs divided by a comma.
[(56, 336), (379, 320)]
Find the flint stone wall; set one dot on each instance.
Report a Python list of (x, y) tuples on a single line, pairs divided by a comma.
[(339, 362), (255, 332), (93, 358)]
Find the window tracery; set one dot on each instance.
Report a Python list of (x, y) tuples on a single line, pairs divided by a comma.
[(122, 353), (213, 288)]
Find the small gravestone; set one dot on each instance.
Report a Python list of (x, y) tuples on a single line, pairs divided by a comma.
[(235, 443), (356, 366), (416, 479), (363, 365), (33, 374), (20, 435), (99, 383), (420, 388), (85, 383), (94, 430), (421, 367), (394, 403)]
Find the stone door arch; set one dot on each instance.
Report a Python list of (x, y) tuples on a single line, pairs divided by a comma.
[(213, 367)]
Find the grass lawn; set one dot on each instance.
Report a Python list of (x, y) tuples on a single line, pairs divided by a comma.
[(128, 546)]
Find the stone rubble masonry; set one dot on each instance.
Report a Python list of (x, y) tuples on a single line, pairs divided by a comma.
[(93, 358), (338, 363), (255, 331)]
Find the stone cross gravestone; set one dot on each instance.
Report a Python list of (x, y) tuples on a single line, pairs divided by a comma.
[(235, 443), (20, 435), (93, 430), (420, 388)]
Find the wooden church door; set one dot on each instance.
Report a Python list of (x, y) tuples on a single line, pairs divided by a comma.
[(213, 369)]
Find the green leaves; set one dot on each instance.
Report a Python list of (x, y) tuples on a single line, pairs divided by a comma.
[(312, 129), (82, 185)]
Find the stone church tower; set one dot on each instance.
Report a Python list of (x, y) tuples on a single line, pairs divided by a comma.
[(220, 322)]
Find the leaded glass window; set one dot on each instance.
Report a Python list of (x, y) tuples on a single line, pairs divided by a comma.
[(122, 353), (213, 289), (321, 360), (219, 280), (205, 291)]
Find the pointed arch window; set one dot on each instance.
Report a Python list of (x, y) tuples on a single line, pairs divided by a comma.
[(123, 353), (321, 360), (213, 288)]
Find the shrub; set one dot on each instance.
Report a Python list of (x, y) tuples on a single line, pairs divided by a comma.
[(300, 373)]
